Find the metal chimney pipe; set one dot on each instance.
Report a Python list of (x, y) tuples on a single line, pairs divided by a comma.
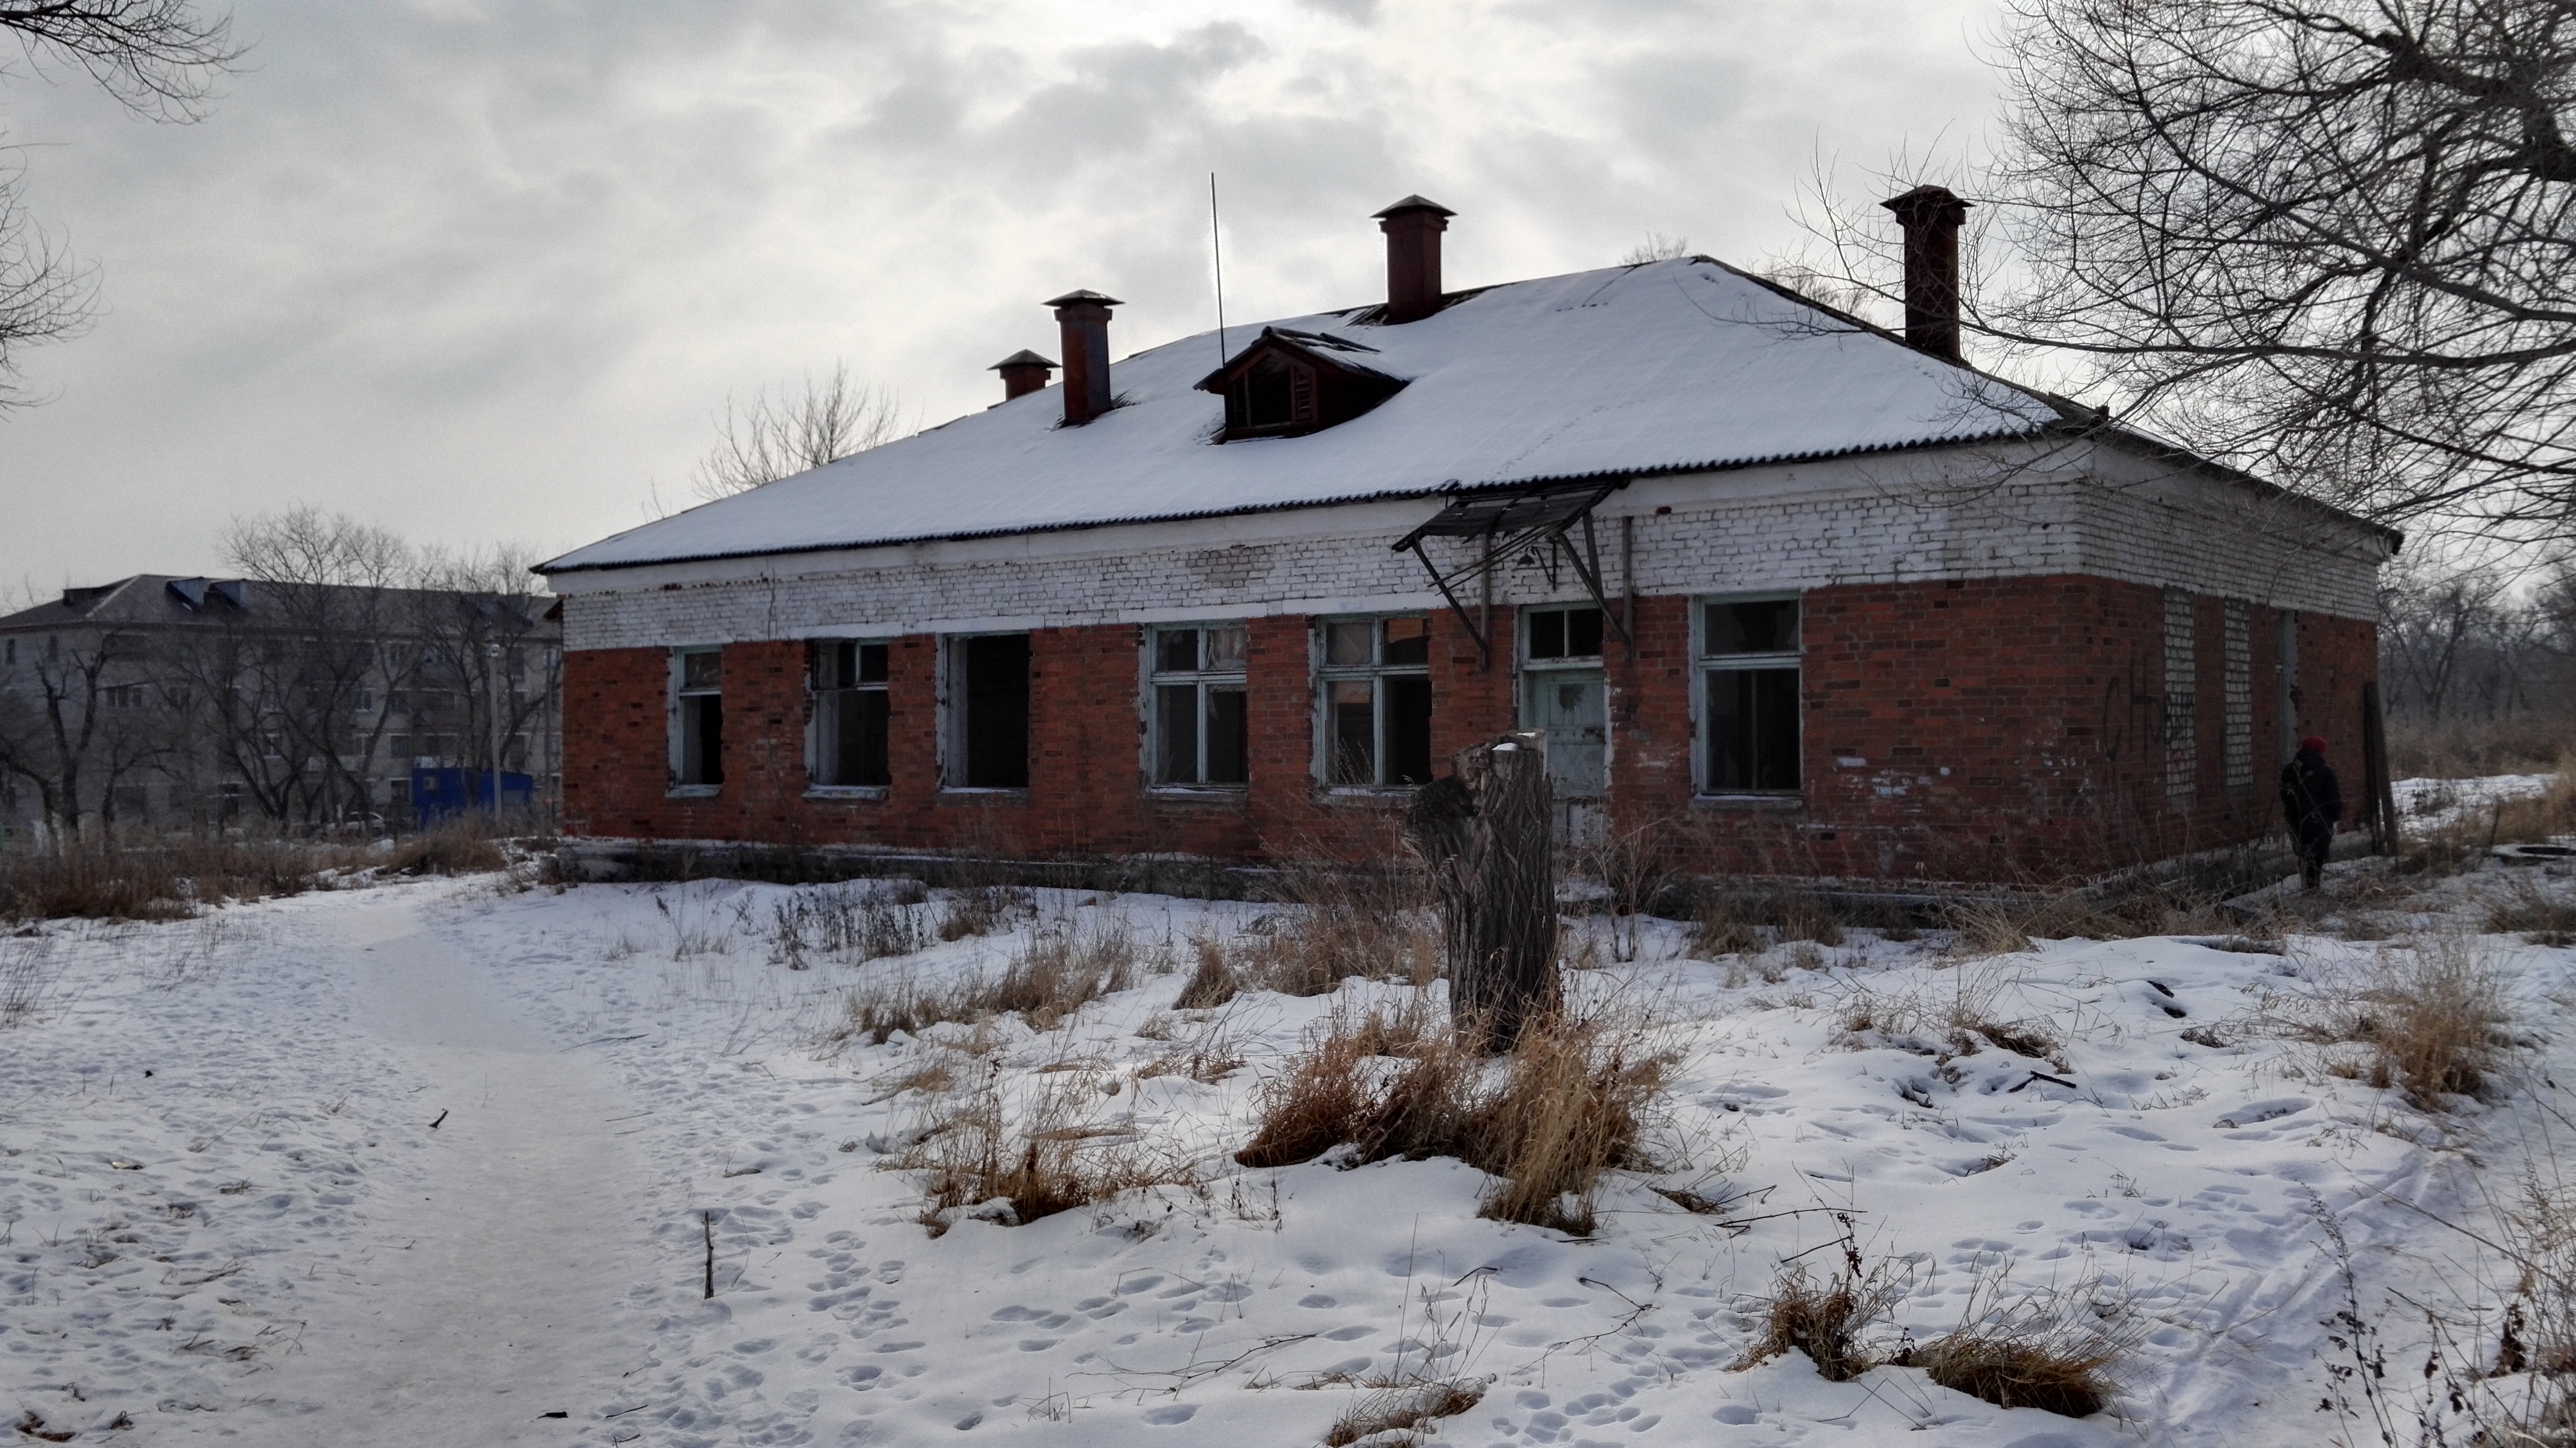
[(1413, 228), (1085, 319), (1931, 217), (1023, 372)]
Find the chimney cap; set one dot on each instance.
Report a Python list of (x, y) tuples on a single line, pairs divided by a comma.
[(1928, 203), (1024, 358), (1083, 295), (1416, 202)]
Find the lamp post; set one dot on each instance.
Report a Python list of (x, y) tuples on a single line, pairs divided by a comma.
[(492, 693)]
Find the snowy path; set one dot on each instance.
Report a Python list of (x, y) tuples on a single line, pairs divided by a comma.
[(487, 1290)]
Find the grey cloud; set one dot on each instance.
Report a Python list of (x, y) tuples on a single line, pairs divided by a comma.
[(481, 271)]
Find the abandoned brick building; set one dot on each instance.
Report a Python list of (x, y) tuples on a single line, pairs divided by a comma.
[(1805, 596)]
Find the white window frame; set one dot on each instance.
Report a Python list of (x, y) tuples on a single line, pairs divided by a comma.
[(1204, 680), (1703, 664), (682, 787), (814, 787), (1375, 672)]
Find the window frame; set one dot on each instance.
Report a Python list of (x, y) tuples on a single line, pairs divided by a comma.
[(1203, 680), (1376, 672), (1705, 664), (1528, 618), (815, 786), (953, 712), (681, 786)]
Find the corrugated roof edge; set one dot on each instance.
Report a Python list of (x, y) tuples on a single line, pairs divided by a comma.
[(1715, 465)]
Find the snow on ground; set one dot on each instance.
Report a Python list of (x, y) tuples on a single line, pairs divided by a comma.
[(427, 1163), (2435, 804)]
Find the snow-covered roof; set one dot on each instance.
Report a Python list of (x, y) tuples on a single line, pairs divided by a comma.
[(1668, 366)]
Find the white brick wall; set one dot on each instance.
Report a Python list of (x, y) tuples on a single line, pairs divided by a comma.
[(1851, 521)]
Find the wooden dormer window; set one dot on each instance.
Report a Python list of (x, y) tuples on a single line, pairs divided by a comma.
[(1287, 383)]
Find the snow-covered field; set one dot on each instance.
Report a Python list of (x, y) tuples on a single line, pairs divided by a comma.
[(436, 1163)]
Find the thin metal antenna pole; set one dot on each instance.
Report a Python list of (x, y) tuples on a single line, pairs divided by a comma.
[(1216, 244)]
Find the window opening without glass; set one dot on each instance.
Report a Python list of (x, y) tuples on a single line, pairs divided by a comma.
[(1200, 728), (850, 714), (701, 717), (989, 702), (1377, 701), (1749, 696)]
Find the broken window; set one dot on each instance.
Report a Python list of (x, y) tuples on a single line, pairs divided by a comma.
[(1377, 701), (850, 714), (1200, 728), (1749, 696), (1564, 633), (698, 736), (988, 704)]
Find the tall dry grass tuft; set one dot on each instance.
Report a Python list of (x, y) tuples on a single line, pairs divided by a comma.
[(976, 1161), (2529, 909), (1827, 1320), (2470, 748), (2428, 1018), (1055, 975), (464, 845), (2055, 1351), (1547, 1119), (28, 971), (1045, 982), (1339, 924), (1732, 922)]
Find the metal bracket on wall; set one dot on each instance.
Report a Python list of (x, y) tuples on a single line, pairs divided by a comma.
[(1507, 526)]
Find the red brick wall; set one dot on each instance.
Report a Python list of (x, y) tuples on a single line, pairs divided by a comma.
[(2009, 729)]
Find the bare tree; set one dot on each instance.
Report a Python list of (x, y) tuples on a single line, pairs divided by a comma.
[(61, 727), (479, 626), (159, 58), (286, 691), (2330, 240), (1656, 247), (780, 437)]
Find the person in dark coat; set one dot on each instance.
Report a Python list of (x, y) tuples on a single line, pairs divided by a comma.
[(2312, 801)]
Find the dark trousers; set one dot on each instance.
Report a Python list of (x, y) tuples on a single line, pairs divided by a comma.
[(2315, 840)]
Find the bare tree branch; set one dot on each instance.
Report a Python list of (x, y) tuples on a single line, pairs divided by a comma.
[(781, 437), (159, 58), (2330, 241)]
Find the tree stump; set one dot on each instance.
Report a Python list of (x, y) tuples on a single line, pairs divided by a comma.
[(1485, 835)]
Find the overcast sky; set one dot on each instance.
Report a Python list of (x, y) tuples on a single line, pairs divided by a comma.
[(485, 271)]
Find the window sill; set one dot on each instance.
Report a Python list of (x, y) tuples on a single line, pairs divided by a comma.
[(1360, 794), (846, 791), (982, 793), (693, 791), (1233, 794), (1750, 801)]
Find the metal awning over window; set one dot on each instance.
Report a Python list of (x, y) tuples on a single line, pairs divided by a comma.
[(1511, 526)]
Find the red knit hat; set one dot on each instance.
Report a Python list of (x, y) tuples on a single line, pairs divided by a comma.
[(2314, 744)]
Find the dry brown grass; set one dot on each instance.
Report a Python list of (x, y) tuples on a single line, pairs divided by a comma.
[(166, 879), (981, 910), (1948, 1013), (2533, 912), (853, 923), (2427, 1018), (1339, 925), (1548, 1119), (1739, 923), (975, 1160), (2031, 1371), (1828, 1320), (2467, 749), (1405, 1410), (1046, 981), (464, 845)]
